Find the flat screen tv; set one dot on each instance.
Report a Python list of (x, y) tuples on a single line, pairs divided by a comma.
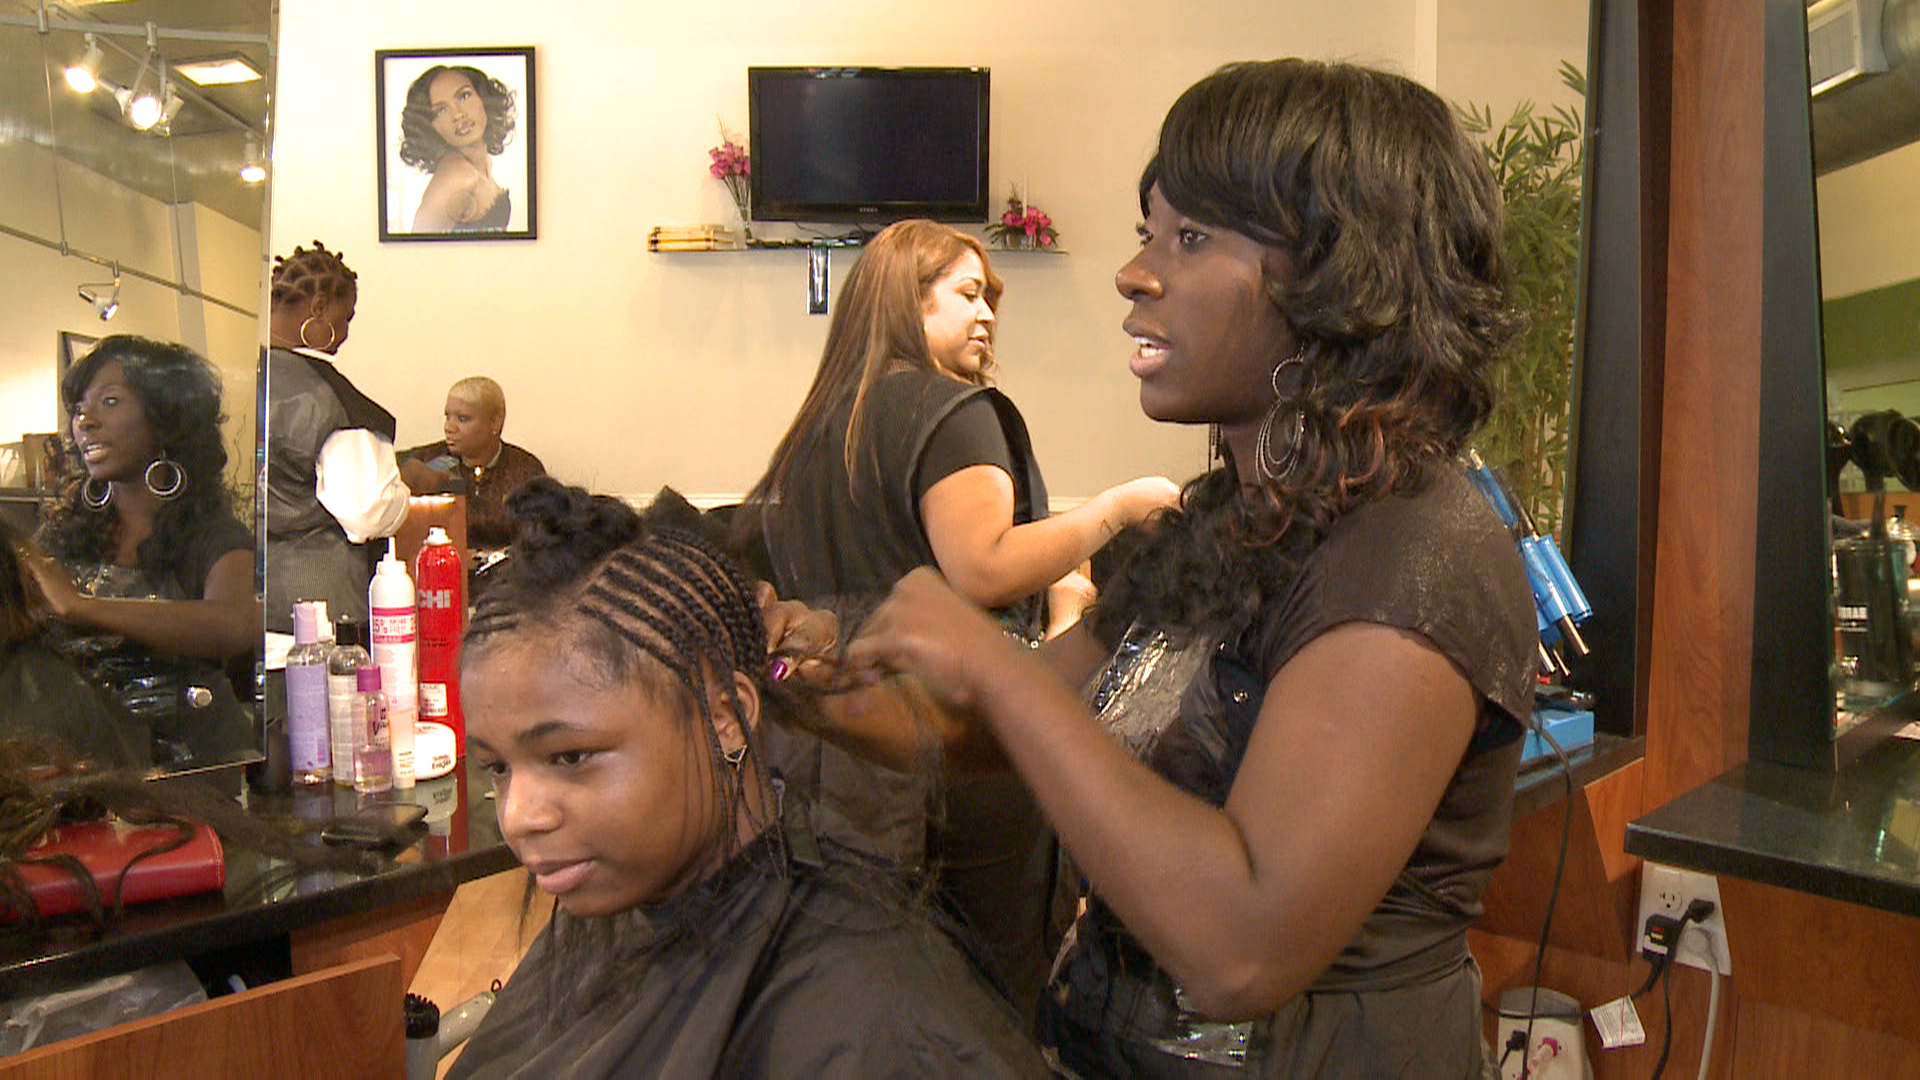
[(867, 145)]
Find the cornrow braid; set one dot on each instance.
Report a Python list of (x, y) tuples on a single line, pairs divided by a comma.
[(640, 601), (310, 272)]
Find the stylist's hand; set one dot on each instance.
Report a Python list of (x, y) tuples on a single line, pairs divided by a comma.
[(927, 630), (803, 642), (55, 586), (1141, 498)]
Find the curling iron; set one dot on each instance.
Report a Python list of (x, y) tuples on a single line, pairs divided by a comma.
[(1558, 604)]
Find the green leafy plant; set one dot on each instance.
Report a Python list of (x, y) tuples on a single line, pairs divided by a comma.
[(1536, 159)]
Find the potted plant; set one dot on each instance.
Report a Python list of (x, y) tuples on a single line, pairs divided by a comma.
[(1536, 160)]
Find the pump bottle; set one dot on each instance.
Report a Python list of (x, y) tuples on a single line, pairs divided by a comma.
[(390, 600), (308, 740)]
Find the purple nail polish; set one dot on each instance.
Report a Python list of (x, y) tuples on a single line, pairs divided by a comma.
[(779, 669)]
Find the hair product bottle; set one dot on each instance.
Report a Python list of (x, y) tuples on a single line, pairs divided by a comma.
[(442, 584), (372, 749), (344, 662), (390, 600), (308, 740)]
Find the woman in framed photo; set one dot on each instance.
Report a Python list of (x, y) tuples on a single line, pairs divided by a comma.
[(456, 118)]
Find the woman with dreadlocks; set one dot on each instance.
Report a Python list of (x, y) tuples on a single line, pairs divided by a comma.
[(1288, 814), (614, 684), (332, 481)]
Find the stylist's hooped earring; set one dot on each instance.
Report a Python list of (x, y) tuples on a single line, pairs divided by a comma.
[(176, 483), (1271, 467), (96, 502)]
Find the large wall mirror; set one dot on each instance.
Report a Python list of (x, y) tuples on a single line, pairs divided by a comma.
[(1833, 645), (127, 208)]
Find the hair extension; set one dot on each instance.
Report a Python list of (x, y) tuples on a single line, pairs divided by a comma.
[(179, 392), (1393, 285), (311, 272)]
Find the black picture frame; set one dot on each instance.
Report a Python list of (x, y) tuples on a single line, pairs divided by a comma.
[(73, 346), (510, 163)]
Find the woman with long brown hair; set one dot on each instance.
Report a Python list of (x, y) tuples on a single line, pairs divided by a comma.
[(903, 455)]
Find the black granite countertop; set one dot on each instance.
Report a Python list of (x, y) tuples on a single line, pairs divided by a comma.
[(265, 896), (1851, 835)]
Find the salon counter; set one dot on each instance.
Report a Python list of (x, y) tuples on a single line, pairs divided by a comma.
[(267, 898), (1851, 835)]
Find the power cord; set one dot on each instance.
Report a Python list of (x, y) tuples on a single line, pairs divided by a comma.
[(1553, 898), (1663, 938)]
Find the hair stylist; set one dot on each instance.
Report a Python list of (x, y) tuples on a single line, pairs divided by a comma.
[(902, 455), (1297, 837), (332, 481)]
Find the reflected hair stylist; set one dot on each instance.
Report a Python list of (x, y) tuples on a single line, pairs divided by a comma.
[(332, 483), (154, 581), (1287, 852)]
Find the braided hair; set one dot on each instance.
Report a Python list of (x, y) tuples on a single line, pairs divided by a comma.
[(311, 272), (637, 600)]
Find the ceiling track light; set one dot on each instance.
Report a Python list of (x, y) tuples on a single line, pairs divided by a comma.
[(253, 167), (104, 296), (85, 75)]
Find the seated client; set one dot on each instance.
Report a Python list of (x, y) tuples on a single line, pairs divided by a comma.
[(474, 459)]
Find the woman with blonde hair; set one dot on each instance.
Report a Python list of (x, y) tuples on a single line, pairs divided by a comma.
[(903, 455), (474, 459)]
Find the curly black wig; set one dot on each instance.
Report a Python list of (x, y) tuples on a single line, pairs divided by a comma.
[(1389, 221), (179, 392), (422, 147)]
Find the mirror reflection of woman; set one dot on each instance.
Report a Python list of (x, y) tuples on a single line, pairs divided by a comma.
[(154, 573), (454, 120), (332, 483)]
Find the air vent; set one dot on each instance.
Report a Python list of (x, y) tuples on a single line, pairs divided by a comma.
[(1843, 42)]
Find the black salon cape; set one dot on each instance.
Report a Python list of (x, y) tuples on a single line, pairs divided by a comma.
[(801, 974)]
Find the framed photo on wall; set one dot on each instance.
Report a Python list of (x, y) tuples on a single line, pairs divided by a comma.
[(455, 129), (73, 346)]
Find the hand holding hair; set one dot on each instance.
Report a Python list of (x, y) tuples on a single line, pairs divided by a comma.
[(926, 630), (803, 643)]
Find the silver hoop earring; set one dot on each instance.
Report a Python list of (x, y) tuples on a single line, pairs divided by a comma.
[(332, 334), (1266, 463), (96, 502), (169, 491)]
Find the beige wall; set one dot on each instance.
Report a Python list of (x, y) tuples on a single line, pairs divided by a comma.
[(626, 370), (1498, 53), (209, 251), (1869, 229)]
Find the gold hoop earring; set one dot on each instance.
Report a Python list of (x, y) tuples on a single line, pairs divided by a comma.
[(1276, 468), (332, 334)]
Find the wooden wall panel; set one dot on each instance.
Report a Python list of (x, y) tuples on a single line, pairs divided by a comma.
[(1599, 892), (1703, 600), (404, 930), (343, 1022), (1856, 965), (1777, 1043)]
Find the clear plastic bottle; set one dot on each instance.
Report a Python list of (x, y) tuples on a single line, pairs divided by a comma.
[(343, 683), (308, 738), (372, 749)]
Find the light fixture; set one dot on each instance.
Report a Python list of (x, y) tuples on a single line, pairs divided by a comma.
[(218, 71), (170, 101), (104, 296), (85, 75), (253, 167), (142, 108)]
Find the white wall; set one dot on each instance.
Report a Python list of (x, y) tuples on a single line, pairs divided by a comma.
[(625, 370), (1499, 53)]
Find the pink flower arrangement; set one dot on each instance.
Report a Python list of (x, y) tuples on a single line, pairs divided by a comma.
[(1023, 225), (731, 167)]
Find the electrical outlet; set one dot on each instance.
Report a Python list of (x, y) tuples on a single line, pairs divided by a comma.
[(1667, 890)]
